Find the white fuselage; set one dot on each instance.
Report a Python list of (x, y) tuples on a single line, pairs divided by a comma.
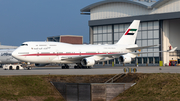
[(54, 52)]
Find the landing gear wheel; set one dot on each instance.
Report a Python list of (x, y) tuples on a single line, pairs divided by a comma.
[(65, 66), (17, 68), (28, 68), (10, 68), (75, 67), (79, 66)]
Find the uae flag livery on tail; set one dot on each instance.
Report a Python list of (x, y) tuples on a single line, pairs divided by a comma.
[(130, 31), (129, 36)]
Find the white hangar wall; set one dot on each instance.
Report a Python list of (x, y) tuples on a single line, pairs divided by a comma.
[(122, 9), (170, 6), (115, 10)]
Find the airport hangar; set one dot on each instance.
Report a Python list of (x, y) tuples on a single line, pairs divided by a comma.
[(160, 21)]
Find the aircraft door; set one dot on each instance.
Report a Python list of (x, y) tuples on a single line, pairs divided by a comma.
[(97, 51), (57, 52), (80, 52), (37, 50)]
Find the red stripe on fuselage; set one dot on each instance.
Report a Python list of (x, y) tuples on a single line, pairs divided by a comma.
[(65, 54), (127, 31)]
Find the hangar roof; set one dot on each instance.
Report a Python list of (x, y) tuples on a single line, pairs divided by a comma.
[(146, 5), (159, 3)]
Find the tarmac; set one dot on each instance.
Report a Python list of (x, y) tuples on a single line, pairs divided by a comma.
[(96, 70)]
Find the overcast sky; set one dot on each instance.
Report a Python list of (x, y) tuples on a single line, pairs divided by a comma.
[(35, 20)]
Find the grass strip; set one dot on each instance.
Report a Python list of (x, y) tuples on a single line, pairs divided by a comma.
[(154, 87)]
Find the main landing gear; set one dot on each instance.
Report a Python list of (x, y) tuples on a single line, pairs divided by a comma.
[(79, 66), (65, 66)]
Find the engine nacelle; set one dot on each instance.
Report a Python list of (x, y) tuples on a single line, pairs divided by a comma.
[(40, 65), (125, 59), (87, 62)]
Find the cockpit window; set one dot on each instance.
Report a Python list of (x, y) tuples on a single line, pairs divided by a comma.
[(24, 44)]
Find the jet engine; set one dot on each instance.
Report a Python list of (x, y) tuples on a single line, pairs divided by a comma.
[(125, 59), (88, 62), (40, 65)]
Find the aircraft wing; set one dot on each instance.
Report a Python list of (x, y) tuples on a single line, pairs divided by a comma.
[(74, 58), (96, 57), (137, 53), (134, 53), (109, 56), (102, 57), (137, 48)]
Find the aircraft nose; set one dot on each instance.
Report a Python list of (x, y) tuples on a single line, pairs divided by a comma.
[(14, 54)]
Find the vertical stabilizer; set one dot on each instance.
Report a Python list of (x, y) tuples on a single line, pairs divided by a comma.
[(130, 35)]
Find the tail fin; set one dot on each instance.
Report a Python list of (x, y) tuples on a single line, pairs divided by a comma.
[(130, 35)]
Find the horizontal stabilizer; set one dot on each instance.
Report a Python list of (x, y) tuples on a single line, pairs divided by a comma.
[(173, 49)]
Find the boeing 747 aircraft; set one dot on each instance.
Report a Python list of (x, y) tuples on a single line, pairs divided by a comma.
[(43, 53)]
